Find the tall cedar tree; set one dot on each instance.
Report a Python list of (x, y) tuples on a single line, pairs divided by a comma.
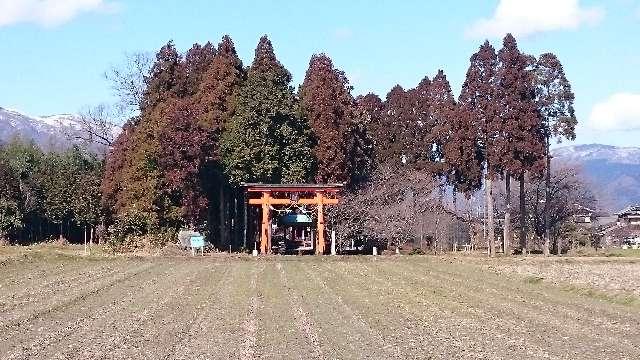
[(442, 111), (190, 155), (197, 61), (117, 161), (183, 141), (426, 155), (370, 110), (221, 81), (216, 96), (11, 211), (521, 139), (396, 139), (266, 140), (162, 83), (327, 104), (57, 185), (361, 147), (86, 171), (133, 182), (463, 155), (554, 100), (479, 127)]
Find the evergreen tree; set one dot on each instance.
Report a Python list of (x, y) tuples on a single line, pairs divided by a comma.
[(187, 140), (86, 173), (220, 82), (117, 161), (57, 183), (554, 100), (370, 112), (196, 62), (327, 104), (396, 140), (477, 111), (163, 82), (426, 155), (442, 112), (134, 184), (266, 140), (216, 97), (189, 151), (361, 149), (23, 162), (184, 146), (10, 212), (520, 141)]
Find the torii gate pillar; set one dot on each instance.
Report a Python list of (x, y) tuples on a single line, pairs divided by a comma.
[(320, 238), (265, 232)]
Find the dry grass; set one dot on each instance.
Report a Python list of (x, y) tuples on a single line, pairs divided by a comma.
[(70, 307), (612, 276)]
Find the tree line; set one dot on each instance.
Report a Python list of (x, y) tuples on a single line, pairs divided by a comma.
[(207, 123), (48, 196)]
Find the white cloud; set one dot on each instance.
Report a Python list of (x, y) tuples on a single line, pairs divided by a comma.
[(48, 12), (620, 111), (527, 17)]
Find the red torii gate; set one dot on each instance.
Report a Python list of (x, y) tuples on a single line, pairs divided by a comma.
[(276, 194)]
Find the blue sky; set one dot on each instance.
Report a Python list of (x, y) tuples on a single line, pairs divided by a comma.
[(53, 53)]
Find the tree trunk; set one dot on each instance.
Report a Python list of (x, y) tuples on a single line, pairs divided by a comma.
[(244, 221), (235, 234), (490, 223), (456, 229), (523, 217), (559, 245), (85, 239), (60, 237), (223, 217), (547, 200), (435, 238), (507, 217), (102, 232)]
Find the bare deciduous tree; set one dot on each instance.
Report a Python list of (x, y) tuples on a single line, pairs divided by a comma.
[(97, 126), (128, 80), (397, 206), (568, 193)]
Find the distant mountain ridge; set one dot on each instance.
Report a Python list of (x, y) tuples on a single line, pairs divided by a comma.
[(613, 171), (591, 152), (49, 132)]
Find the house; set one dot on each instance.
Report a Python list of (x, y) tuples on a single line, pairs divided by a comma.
[(624, 230), (618, 236), (584, 215), (629, 216)]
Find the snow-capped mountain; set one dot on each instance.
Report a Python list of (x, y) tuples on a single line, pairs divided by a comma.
[(613, 154), (49, 132), (613, 171)]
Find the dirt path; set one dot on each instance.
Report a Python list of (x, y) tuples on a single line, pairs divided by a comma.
[(304, 308)]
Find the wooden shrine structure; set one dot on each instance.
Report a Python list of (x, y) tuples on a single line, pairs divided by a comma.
[(309, 198)]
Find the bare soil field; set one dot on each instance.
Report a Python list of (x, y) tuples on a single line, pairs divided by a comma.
[(71, 307)]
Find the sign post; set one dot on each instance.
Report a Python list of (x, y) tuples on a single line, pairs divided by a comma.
[(196, 242)]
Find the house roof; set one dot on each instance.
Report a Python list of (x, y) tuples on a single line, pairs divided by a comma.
[(630, 210), (583, 208)]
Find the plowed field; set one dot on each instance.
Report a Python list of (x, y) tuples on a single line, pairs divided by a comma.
[(69, 307)]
